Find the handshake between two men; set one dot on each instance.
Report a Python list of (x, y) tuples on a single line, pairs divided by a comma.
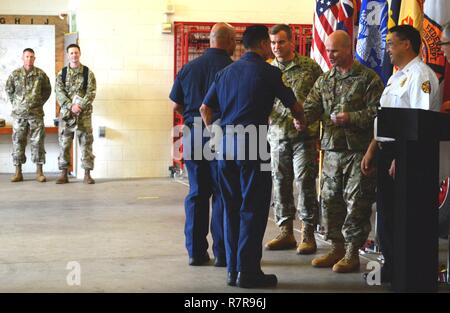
[(298, 113), (300, 123)]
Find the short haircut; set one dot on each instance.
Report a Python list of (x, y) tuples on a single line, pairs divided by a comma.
[(254, 35), (73, 45), (407, 32), (446, 30), (281, 28), (28, 50)]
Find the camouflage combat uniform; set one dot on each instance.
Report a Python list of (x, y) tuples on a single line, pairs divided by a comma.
[(346, 194), (28, 92), (69, 122), (294, 154)]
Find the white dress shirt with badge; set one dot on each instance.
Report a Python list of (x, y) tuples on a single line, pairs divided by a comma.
[(413, 87)]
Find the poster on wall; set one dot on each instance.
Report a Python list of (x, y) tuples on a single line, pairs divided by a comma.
[(13, 40)]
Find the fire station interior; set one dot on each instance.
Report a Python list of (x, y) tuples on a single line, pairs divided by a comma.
[(126, 232)]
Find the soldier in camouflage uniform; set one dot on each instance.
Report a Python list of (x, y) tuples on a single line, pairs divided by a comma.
[(75, 114), (28, 88), (345, 99), (293, 154)]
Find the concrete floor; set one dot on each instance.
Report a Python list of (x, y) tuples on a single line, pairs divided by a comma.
[(127, 236)]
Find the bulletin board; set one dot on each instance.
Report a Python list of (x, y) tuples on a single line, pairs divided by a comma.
[(36, 31)]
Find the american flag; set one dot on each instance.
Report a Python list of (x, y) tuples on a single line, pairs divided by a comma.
[(330, 15)]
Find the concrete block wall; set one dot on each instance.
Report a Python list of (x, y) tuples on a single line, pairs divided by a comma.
[(121, 41)]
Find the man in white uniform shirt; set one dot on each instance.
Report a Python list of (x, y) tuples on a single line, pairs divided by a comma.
[(413, 86)]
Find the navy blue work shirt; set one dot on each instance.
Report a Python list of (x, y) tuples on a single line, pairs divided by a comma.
[(195, 78), (244, 92)]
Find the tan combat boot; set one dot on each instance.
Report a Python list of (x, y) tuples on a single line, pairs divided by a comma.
[(63, 179), (307, 244), (328, 260), (87, 177), (350, 262), (18, 176), (40, 174), (285, 240)]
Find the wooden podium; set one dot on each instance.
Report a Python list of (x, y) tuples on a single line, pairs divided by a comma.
[(417, 133)]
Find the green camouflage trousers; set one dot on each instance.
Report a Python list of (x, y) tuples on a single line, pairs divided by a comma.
[(347, 197), (83, 128), (21, 128), (294, 160)]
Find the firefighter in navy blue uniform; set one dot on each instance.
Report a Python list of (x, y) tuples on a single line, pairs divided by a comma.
[(244, 92), (189, 89), (415, 86)]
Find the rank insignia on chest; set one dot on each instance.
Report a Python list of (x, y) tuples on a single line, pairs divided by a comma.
[(403, 82), (426, 87)]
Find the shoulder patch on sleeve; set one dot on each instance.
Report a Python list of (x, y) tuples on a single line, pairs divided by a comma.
[(403, 82), (426, 87)]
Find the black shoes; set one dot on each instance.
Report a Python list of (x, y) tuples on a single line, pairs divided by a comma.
[(198, 261), (203, 260), (220, 262), (259, 280), (231, 278)]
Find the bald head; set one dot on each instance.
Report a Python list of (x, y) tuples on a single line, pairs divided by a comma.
[(222, 36), (339, 50), (340, 38)]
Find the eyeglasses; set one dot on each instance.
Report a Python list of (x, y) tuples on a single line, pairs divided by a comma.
[(443, 43)]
